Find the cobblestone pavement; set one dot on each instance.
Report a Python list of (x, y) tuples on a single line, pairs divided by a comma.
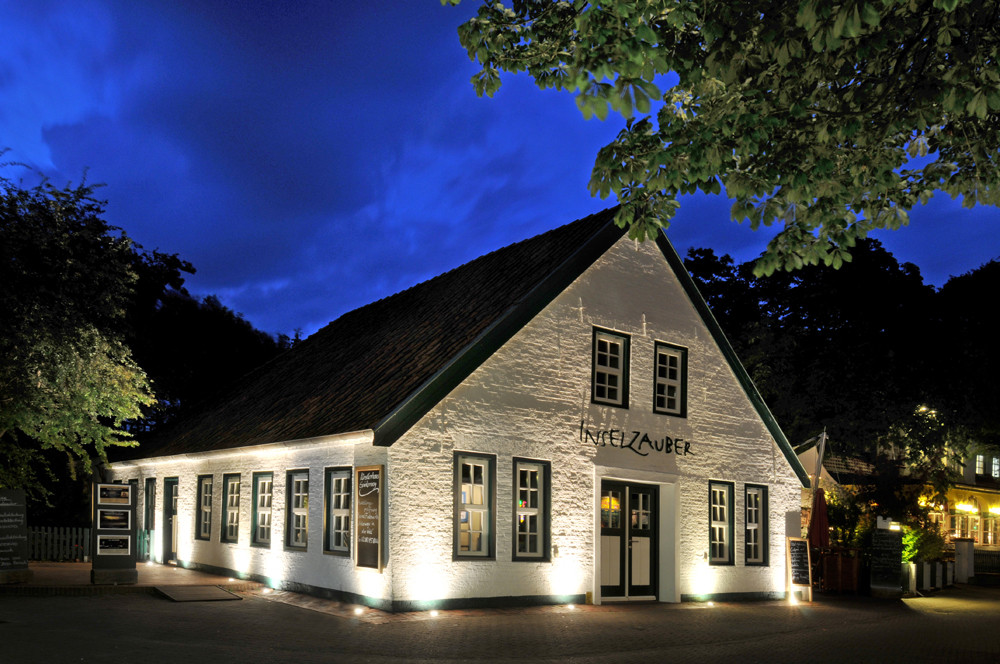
[(959, 624)]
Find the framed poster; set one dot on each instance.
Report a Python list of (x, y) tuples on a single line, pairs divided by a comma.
[(113, 545), (114, 519), (368, 520), (114, 494)]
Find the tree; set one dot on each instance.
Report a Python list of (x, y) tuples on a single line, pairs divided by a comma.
[(191, 348), (807, 113), (858, 352), (68, 382), (842, 349), (967, 333)]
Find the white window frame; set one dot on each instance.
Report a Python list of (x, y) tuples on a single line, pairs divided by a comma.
[(980, 464), (755, 524), (532, 491), (204, 507), (263, 498), (338, 510), (610, 368), (720, 506), (231, 507), (475, 506), (297, 509), (996, 467), (670, 379)]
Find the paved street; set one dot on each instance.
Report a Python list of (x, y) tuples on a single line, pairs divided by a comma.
[(959, 624)]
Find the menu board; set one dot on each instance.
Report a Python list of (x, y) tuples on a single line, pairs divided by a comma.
[(368, 519), (799, 570), (887, 560), (13, 531)]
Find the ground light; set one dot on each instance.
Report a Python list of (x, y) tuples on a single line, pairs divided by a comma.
[(434, 614), (358, 611)]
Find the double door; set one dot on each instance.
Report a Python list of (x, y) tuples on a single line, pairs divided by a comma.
[(629, 556)]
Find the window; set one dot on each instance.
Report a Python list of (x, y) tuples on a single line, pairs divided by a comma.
[(721, 523), (297, 528), (610, 371), (979, 464), (670, 380), (338, 510), (475, 477), (996, 466), (531, 509), (204, 519), (263, 488), (756, 524), (231, 508)]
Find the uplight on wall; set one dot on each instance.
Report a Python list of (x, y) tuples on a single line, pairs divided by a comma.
[(966, 507)]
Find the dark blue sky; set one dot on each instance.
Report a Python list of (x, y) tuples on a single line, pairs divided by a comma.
[(309, 156)]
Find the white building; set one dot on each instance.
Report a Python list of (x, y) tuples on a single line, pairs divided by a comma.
[(556, 421)]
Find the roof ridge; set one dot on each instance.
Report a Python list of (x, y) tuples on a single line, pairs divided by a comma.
[(468, 264)]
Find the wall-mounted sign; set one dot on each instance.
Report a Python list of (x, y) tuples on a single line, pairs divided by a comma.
[(113, 545), (114, 519), (637, 442), (368, 519), (114, 494)]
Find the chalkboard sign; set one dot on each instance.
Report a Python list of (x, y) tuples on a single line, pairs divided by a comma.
[(368, 518), (13, 531), (887, 561), (799, 568)]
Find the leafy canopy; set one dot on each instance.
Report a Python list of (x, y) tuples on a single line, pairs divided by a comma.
[(812, 115), (68, 382)]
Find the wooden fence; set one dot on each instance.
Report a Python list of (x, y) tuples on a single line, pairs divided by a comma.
[(987, 561), (59, 544), (73, 544)]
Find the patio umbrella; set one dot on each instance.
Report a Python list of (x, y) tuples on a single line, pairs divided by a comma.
[(819, 522)]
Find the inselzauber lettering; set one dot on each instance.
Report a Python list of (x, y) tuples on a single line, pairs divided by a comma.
[(635, 441)]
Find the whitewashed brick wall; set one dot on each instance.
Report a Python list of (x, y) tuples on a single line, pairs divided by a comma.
[(529, 399)]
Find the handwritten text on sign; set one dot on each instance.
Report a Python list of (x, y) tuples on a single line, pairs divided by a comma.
[(368, 502)]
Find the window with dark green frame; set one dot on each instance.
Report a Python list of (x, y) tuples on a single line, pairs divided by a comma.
[(203, 519), (720, 529), (263, 493), (231, 507), (755, 524), (297, 509), (532, 510), (670, 380), (475, 506), (337, 497), (610, 367)]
